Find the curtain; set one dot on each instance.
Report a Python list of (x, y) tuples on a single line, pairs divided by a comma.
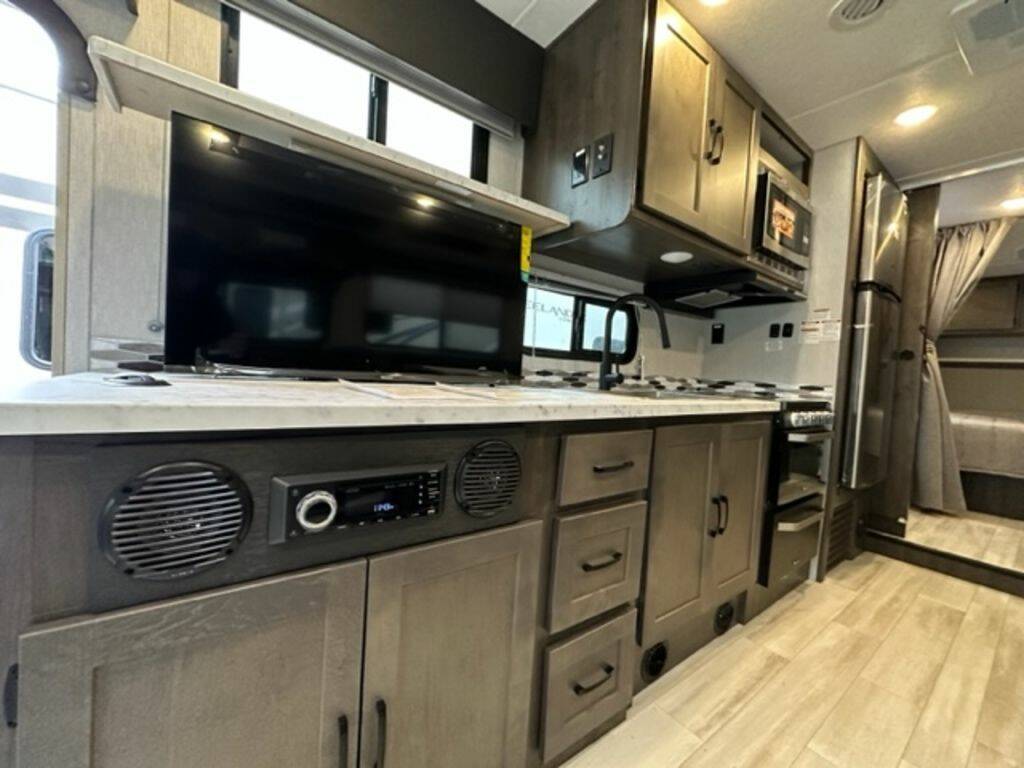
[(962, 256)]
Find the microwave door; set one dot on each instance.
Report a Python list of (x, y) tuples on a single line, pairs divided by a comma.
[(872, 387)]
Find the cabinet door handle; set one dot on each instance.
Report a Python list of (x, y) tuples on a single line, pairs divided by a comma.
[(604, 469), (382, 733), (343, 742), (602, 563), (723, 526), (714, 155), (713, 530), (582, 689)]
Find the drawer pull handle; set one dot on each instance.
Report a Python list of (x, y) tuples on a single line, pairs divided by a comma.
[(604, 469), (582, 689), (599, 565)]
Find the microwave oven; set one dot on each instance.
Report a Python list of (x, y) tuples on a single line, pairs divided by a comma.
[(783, 222)]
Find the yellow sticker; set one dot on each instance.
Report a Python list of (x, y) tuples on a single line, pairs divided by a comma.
[(525, 251)]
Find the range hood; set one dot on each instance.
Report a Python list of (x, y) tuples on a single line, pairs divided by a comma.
[(712, 278)]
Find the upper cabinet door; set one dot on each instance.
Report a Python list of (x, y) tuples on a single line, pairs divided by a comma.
[(261, 675), (679, 104), (730, 186), (449, 652), (742, 471)]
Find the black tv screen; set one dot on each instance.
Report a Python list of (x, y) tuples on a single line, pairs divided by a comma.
[(279, 260)]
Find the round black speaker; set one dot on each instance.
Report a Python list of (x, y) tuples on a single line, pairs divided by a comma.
[(488, 478), (175, 520)]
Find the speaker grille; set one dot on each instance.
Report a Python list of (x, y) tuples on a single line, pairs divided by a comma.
[(488, 478), (175, 520)]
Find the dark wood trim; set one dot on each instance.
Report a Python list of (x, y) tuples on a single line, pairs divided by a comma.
[(917, 278), (458, 42), (230, 27), (377, 130), (975, 571), (481, 154)]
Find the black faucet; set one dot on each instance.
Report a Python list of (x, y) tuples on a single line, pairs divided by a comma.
[(605, 377)]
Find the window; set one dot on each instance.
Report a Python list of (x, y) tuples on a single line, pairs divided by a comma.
[(28, 156), (278, 66), (562, 324)]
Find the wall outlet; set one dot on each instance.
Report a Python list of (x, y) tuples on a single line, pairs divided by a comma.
[(603, 155), (774, 330), (717, 333)]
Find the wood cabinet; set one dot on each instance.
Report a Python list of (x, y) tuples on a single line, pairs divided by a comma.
[(707, 500), (261, 675), (449, 652), (685, 141), (269, 673), (701, 143)]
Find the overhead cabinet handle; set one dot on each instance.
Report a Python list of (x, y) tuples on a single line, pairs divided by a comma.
[(582, 689), (599, 565), (716, 526), (382, 733), (343, 742), (604, 469), (714, 155), (723, 526)]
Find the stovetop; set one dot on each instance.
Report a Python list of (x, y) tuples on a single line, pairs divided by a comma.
[(790, 397)]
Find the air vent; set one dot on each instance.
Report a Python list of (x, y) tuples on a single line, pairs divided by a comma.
[(849, 14), (990, 33), (175, 520), (488, 478)]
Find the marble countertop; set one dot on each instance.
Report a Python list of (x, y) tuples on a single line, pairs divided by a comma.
[(89, 403)]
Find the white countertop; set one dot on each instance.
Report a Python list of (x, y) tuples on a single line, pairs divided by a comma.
[(88, 404)]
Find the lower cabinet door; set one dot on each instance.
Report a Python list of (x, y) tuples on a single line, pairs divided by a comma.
[(449, 652), (262, 675), (743, 467), (683, 482)]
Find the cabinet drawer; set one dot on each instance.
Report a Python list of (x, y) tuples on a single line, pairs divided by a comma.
[(588, 679), (597, 563), (601, 465), (794, 541)]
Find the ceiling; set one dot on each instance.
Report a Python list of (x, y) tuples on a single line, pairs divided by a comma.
[(977, 197), (1009, 259), (540, 20), (834, 85)]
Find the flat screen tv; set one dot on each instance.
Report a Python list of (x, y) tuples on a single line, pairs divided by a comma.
[(278, 260)]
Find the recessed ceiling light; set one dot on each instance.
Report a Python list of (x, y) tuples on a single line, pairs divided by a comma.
[(425, 202), (1014, 204), (676, 257), (916, 115)]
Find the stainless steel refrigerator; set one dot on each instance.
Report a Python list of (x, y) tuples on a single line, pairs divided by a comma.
[(875, 334)]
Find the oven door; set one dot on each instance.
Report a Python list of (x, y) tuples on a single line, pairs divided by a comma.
[(784, 222)]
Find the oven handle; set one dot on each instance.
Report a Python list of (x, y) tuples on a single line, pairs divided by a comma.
[(809, 437), (795, 526)]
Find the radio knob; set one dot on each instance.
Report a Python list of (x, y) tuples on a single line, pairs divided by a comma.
[(316, 511)]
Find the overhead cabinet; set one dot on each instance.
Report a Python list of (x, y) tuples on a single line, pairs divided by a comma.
[(649, 141), (701, 143)]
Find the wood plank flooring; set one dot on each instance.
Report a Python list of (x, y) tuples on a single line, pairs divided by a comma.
[(974, 535), (884, 665)]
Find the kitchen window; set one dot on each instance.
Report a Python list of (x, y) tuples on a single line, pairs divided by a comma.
[(267, 61), (28, 162), (567, 325)]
